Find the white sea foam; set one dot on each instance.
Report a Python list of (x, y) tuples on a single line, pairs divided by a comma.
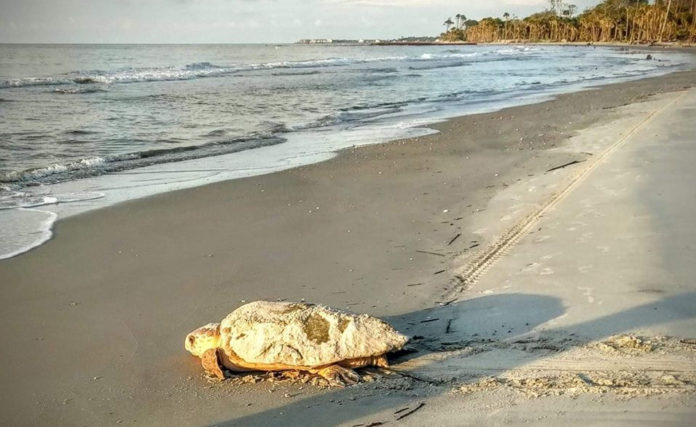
[(34, 174), (24, 229), (41, 196)]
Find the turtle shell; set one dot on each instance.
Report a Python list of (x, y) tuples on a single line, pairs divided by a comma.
[(299, 334)]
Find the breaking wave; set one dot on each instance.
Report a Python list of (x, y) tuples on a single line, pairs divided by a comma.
[(78, 91), (439, 65), (94, 166), (96, 79)]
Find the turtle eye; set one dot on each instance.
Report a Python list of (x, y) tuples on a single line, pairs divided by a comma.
[(192, 339)]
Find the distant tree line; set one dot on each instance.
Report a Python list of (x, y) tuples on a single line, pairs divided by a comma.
[(624, 21)]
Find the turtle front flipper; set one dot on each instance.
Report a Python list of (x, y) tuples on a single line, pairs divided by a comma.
[(211, 363), (338, 376)]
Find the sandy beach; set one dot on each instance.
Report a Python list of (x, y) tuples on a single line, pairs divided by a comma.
[(596, 187)]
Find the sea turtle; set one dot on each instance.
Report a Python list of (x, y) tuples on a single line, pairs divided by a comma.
[(281, 336)]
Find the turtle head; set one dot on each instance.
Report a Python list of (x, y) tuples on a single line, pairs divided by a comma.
[(203, 338)]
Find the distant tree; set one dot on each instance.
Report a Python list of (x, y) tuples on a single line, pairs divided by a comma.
[(459, 19), (463, 24), (506, 17), (569, 10), (664, 23), (448, 23), (556, 6), (610, 21)]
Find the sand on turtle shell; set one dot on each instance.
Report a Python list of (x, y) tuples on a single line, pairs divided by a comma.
[(304, 334)]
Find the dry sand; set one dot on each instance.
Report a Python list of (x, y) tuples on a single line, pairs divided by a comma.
[(94, 320)]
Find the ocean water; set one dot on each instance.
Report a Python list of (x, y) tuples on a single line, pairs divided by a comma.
[(85, 126)]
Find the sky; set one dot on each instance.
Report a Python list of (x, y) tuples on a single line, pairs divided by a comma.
[(239, 21)]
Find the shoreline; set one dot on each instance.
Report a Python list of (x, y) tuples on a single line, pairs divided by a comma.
[(656, 45), (663, 45), (361, 231), (97, 192)]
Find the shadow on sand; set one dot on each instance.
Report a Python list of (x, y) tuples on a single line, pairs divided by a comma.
[(498, 317)]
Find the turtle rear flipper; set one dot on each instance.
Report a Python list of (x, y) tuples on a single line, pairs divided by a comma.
[(362, 362), (337, 375)]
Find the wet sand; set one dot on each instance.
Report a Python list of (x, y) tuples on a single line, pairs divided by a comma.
[(94, 320)]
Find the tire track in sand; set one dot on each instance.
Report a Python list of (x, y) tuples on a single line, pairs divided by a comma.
[(467, 275)]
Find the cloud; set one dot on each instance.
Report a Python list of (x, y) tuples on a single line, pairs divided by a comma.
[(385, 3), (201, 21), (540, 3)]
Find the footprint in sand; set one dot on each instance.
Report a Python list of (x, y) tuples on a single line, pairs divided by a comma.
[(585, 268), (591, 213), (585, 237), (587, 292), (531, 267)]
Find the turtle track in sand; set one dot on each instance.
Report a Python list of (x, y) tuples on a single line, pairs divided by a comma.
[(626, 366), (655, 366)]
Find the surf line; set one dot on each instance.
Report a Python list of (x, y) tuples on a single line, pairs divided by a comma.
[(469, 274)]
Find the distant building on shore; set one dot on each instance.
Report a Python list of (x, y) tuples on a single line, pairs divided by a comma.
[(316, 41), (403, 40)]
